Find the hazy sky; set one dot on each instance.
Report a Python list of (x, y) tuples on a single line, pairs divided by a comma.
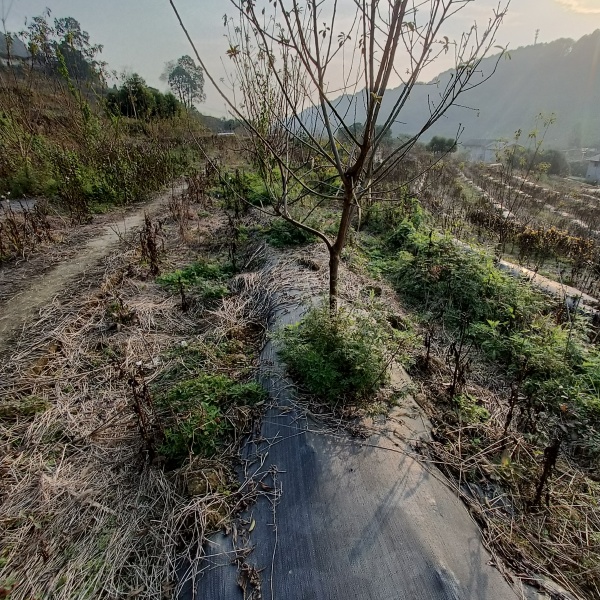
[(141, 35)]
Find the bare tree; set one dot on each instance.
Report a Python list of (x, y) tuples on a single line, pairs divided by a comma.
[(296, 63)]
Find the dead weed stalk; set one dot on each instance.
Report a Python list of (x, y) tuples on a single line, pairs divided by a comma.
[(152, 244), (22, 230)]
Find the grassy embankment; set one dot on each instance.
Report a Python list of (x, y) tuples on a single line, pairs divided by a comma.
[(61, 146)]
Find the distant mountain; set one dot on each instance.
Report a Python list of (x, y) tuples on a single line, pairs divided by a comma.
[(17, 47), (561, 77)]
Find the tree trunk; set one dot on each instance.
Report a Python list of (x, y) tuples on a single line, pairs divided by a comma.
[(334, 266), (335, 251)]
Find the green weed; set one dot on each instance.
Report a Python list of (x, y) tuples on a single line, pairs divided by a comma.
[(341, 357), (470, 410), (198, 271), (381, 218), (283, 234), (239, 189), (194, 413), (204, 278)]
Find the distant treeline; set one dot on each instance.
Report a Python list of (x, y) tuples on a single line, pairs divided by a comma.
[(136, 100)]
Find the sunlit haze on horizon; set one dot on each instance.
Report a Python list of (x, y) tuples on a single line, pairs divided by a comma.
[(142, 35)]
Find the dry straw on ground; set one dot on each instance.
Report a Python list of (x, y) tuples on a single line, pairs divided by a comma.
[(84, 512)]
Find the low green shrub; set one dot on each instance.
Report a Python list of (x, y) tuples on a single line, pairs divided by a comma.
[(398, 238), (541, 347), (337, 358), (552, 363), (99, 172), (244, 188), (194, 414), (581, 406), (439, 276), (123, 174), (254, 189), (25, 182), (384, 217)]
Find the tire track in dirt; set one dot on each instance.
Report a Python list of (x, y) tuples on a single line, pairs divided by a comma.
[(20, 309)]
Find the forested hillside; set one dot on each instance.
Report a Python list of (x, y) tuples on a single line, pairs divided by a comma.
[(561, 77)]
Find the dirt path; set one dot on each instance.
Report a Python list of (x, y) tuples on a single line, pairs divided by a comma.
[(22, 307)]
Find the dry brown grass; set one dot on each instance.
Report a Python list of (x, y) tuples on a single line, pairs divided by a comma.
[(84, 510)]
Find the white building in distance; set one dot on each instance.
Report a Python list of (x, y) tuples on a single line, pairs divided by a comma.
[(593, 172)]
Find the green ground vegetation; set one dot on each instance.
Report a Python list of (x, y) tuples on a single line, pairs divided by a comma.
[(195, 414), (203, 279), (338, 358), (63, 137), (547, 351)]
